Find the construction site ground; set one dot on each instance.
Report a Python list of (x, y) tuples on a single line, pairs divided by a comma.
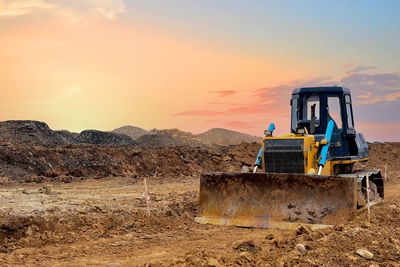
[(105, 222)]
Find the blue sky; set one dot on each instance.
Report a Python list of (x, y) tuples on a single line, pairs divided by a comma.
[(332, 31)]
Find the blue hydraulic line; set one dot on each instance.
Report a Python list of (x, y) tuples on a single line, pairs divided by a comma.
[(258, 162), (259, 158), (324, 150), (271, 128)]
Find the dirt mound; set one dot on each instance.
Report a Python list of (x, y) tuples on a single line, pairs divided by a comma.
[(333, 246), (103, 138), (39, 133), (33, 163), (157, 140), (33, 132), (131, 131), (381, 154), (226, 137)]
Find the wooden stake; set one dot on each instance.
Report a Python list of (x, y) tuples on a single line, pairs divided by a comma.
[(146, 195), (369, 211), (385, 173)]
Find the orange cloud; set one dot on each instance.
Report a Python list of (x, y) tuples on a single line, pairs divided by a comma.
[(247, 109), (69, 10), (367, 95), (223, 93), (198, 113), (384, 98), (349, 64), (20, 8)]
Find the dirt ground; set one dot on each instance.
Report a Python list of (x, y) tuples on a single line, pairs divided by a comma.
[(104, 222)]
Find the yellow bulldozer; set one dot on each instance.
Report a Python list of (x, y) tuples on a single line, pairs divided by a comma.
[(306, 176)]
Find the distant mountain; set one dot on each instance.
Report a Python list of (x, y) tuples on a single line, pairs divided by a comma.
[(168, 138), (131, 131), (185, 138), (226, 137)]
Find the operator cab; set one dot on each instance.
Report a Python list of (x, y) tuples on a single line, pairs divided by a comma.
[(314, 107)]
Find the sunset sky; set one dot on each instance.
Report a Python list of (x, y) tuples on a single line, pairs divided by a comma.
[(196, 65)]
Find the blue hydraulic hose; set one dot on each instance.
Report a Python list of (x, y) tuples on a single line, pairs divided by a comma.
[(258, 162), (271, 127), (324, 150), (259, 158)]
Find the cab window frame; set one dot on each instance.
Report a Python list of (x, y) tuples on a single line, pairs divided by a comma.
[(312, 98), (294, 113), (349, 112)]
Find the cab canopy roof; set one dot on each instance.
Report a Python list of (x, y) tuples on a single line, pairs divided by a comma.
[(324, 89)]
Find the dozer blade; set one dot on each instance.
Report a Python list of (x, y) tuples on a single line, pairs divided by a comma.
[(269, 200)]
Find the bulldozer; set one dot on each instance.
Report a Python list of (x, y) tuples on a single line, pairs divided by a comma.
[(306, 177)]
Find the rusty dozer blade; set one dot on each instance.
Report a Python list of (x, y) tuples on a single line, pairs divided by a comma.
[(271, 200)]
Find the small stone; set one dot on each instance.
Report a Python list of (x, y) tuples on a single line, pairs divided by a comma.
[(3, 180), (300, 248), (339, 228), (245, 255), (214, 263), (324, 239), (47, 189), (269, 236), (26, 191), (246, 245), (303, 231), (81, 211), (178, 260), (365, 254), (29, 231)]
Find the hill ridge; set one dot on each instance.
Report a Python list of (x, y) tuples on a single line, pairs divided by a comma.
[(39, 133)]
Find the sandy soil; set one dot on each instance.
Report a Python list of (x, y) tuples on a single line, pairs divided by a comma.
[(105, 223)]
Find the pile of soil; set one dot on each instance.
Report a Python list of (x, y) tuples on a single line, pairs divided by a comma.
[(35, 163), (103, 138), (39, 133), (381, 154), (157, 140), (20, 162), (33, 132)]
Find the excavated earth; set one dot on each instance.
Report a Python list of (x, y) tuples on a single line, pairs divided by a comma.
[(55, 211)]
